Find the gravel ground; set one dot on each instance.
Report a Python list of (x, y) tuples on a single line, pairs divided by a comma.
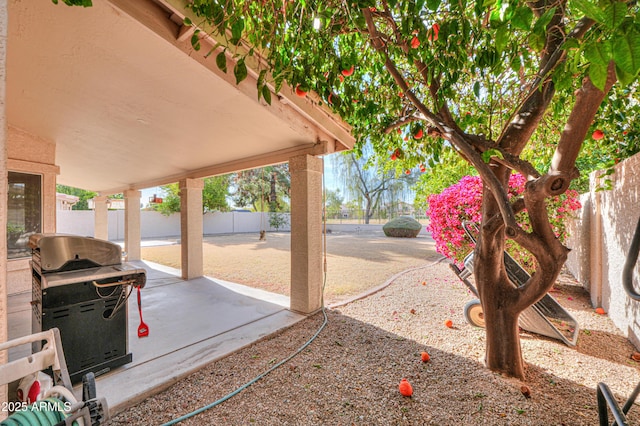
[(349, 374)]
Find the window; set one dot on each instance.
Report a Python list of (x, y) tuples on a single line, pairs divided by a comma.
[(24, 212)]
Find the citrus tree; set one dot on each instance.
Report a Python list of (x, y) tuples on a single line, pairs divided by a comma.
[(483, 77), (480, 76)]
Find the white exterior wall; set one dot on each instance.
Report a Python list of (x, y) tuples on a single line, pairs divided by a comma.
[(601, 240), (157, 225)]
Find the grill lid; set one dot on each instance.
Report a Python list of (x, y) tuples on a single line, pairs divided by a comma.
[(59, 252), (106, 276)]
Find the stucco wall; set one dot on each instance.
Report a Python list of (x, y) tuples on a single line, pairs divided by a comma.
[(601, 240), (29, 154)]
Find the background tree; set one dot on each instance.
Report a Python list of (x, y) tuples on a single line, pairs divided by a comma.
[(214, 196), (84, 195), (333, 203), (449, 171), (371, 181), (264, 189)]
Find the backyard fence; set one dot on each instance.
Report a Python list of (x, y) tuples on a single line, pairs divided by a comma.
[(156, 225), (380, 216)]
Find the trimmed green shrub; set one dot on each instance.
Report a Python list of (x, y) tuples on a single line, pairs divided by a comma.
[(403, 226)]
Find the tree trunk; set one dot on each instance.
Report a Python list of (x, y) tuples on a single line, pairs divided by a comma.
[(503, 352), (497, 293), (273, 195), (367, 211)]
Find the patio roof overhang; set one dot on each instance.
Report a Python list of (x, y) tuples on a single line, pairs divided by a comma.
[(130, 104)]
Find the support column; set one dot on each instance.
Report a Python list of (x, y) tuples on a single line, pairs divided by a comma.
[(191, 227), (49, 202), (101, 217), (132, 234), (306, 233), (3, 192)]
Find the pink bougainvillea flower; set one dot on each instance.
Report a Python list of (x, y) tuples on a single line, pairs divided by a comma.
[(462, 202)]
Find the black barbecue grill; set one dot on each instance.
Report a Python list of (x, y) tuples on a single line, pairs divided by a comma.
[(81, 286)]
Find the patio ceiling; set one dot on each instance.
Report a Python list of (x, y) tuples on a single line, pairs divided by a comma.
[(130, 105)]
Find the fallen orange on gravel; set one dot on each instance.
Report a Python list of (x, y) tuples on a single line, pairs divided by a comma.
[(405, 388)]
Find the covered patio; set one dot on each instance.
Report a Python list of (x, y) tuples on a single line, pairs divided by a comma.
[(114, 99), (192, 323)]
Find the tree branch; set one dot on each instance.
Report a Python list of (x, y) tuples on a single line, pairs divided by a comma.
[(526, 119), (588, 100), (460, 142)]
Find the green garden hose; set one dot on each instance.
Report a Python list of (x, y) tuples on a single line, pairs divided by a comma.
[(47, 412)]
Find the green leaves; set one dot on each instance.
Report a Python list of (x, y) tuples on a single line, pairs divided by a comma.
[(266, 94), (626, 54), (522, 18), (502, 38), (240, 70), (538, 35), (486, 156), (433, 4), (623, 49), (612, 16), (599, 56), (83, 3), (221, 61), (589, 10), (236, 31), (195, 40)]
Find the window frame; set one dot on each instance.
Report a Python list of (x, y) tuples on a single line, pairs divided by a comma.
[(22, 253)]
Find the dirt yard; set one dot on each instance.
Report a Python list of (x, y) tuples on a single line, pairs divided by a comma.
[(356, 262)]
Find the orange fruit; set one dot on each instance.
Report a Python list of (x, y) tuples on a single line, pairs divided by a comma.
[(597, 135), (348, 72), (300, 92), (405, 388), (433, 34), (448, 323), (600, 311), (425, 357)]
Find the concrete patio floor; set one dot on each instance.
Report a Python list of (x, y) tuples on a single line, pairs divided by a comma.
[(191, 323)]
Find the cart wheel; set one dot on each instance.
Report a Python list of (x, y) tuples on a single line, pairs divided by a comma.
[(473, 313)]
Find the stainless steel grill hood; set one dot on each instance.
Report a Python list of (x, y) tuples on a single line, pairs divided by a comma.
[(57, 251)]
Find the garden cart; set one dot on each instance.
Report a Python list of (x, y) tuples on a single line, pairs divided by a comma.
[(546, 317)]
